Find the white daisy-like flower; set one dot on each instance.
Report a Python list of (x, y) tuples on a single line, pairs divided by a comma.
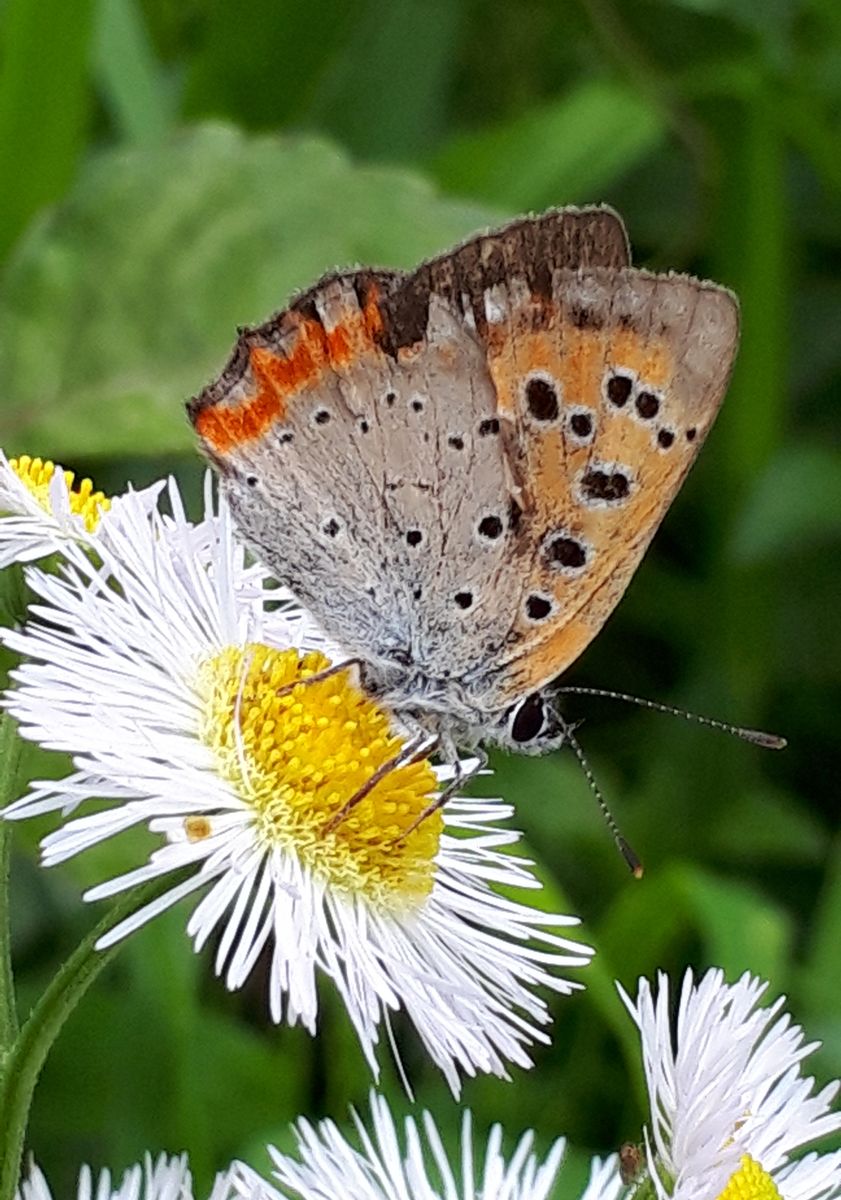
[(729, 1105), (176, 680), (42, 509), (160, 1179), (415, 1166)]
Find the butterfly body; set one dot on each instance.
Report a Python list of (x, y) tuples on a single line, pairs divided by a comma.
[(458, 470)]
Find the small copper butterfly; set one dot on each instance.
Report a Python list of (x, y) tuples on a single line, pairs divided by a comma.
[(458, 469)]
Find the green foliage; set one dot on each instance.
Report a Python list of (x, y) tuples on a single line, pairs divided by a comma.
[(573, 148), (124, 300), (173, 170), (44, 105), (796, 504)]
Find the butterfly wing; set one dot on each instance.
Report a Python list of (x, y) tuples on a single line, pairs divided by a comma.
[(608, 399), (361, 441)]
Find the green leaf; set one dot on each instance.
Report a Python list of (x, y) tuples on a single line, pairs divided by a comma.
[(380, 109), (754, 259), (127, 300), (764, 825), (796, 504), (812, 128), (742, 929), (133, 86), (739, 929), (570, 150), (25, 1061), (822, 971), (174, 1014), (644, 920), (375, 76), (44, 101), (260, 64)]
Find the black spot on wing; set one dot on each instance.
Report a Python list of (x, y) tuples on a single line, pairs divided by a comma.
[(542, 400)]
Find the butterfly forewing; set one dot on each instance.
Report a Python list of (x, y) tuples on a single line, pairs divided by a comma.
[(361, 477)]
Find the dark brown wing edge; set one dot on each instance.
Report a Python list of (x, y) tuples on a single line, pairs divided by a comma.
[(570, 238), (559, 238)]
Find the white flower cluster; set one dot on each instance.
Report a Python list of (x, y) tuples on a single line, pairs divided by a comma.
[(199, 701), (160, 1179), (728, 1109)]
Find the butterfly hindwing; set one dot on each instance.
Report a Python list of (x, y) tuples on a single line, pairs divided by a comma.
[(610, 403)]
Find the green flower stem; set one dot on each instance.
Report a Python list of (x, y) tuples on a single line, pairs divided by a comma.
[(25, 1058), (12, 610), (10, 752), (8, 1014)]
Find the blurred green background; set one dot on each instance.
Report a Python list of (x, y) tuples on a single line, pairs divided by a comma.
[(173, 168)]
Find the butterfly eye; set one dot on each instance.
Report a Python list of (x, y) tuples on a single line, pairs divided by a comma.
[(528, 719)]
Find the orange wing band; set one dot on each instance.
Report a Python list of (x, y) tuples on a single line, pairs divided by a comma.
[(279, 377)]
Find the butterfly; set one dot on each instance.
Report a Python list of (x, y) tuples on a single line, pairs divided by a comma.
[(458, 469)]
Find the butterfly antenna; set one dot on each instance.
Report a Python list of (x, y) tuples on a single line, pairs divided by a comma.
[(769, 741), (634, 863)]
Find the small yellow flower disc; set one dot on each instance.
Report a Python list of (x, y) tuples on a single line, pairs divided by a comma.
[(750, 1182), (298, 757), (36, 475), (197, 828)]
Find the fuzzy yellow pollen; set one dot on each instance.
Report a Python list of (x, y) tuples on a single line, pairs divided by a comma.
[(750, 1182), (298, 752), (84, 501)]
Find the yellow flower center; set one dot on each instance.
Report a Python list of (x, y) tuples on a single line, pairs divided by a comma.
[(750, 1182), (299, 752), (36, 475)]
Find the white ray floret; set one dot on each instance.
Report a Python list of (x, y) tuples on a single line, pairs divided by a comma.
[(41, 512), (163, 1178), (385, 1165)]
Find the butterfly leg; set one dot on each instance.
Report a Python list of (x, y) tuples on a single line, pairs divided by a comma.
[(419, 747), (326, 673), (459, 780)]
